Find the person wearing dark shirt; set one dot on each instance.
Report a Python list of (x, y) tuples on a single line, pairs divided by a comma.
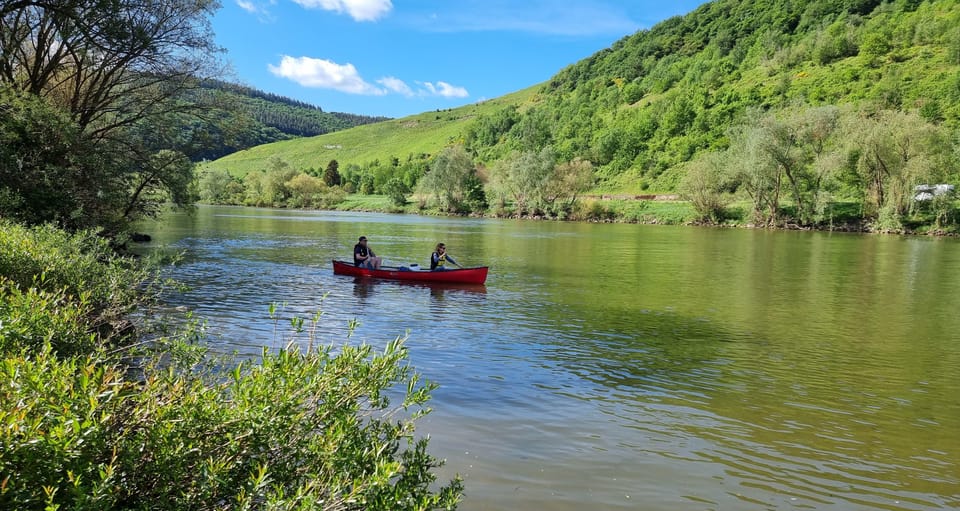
[(439, 257), (363, 256)]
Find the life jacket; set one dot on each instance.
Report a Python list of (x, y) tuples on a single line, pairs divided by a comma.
[(438, 261)]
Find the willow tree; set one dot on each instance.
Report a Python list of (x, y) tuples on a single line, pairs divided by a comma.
[(121, 71), (893, 152), (453, 180)]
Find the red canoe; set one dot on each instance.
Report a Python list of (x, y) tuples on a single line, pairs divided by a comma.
[(476, 275)]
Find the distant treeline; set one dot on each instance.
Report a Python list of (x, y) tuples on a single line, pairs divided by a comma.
[(250, 92)]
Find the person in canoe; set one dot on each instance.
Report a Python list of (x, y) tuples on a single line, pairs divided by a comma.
[(439, 258), (363, 256)]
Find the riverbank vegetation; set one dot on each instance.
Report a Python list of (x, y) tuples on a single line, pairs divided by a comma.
[(796, 108), (108, 402), (107, 406)]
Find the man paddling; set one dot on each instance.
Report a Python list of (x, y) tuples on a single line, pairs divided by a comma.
[(363, 257)]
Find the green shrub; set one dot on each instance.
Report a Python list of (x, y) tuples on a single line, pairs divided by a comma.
[(57, 287), (55, 446), (82, 262), (300, 430), (397, 190), (331, 198), (33, 318), (704, 184), (592, 210)]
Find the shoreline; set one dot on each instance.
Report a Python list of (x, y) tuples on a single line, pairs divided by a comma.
[(613, 216)]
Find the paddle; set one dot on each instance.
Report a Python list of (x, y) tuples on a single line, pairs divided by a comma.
[(454, 262)]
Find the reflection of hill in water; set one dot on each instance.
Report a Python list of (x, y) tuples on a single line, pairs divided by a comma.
[(645, 351), (765, 410)]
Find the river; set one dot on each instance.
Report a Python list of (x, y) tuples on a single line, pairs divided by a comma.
[(618, 366)]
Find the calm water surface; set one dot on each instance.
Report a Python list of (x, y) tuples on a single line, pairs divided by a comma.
[(625, 366)]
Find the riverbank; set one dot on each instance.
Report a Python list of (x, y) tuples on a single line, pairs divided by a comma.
[(661, 209)]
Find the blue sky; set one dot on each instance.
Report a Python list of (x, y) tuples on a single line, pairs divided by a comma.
[(401, 57)]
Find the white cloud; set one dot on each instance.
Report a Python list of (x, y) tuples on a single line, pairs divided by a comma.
[(396, 85), (258, 7), (324, 74), (248, 6), (359, 10), (446, 90)]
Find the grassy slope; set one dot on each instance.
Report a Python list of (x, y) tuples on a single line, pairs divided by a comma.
[(427, 132)]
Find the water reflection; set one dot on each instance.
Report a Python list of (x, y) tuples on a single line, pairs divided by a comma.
[(705, 369), (364, 286)]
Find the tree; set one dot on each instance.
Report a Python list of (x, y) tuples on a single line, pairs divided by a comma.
[(275, 189), (703, 185), (524, 178), (165, 175), (397, 190), (450, 178), (119, 71), (114, 63), (568, 181), (793, 149), (331, 176), (818, 130), (215, 186), (895, 151), (37, 143), (875, 45), (305, 191), (754, 173), (253, 184)]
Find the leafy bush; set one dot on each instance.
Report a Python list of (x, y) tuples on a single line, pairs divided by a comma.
[(56, 285), (592, 210), (703, 185), (301, 430), (80, 262), (331, 197), (397, 190), (32, 318)]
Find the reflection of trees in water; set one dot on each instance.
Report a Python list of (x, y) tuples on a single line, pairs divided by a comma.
[(631, 351), (800, 415)]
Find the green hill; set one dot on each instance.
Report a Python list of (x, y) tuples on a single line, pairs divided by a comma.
[(641, 111), (245, 117), (422, 134)]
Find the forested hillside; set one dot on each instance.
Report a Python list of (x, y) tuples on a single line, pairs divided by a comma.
[(258, 117), (657, 98), (793, 106)]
